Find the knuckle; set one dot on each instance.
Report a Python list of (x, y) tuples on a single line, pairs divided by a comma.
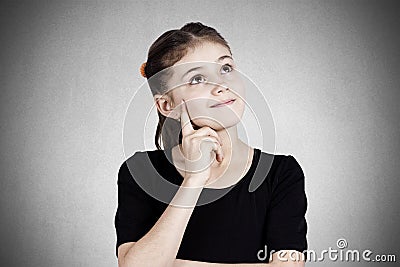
[(210, 138)]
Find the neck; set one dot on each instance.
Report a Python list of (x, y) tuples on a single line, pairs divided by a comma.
[(231, 144)]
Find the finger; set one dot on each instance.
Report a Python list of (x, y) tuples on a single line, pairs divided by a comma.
[(186, 125), (207, 131), (215, 146), (219, 153)]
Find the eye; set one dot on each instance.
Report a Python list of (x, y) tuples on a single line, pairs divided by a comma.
[(226, 68), (197, 79)]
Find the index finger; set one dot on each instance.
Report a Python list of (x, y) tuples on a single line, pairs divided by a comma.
[(186, 125)]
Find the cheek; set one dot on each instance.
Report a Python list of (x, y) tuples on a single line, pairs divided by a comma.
[(240, 105), (197, 100), (238, 87), (188, 94), (197, 106)]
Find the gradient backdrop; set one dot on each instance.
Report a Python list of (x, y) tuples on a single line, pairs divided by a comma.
[(329, 70)]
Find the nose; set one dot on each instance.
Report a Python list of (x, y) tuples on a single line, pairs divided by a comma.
[(219, 89)]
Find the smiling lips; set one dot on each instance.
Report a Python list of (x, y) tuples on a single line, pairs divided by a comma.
[(223, 103)]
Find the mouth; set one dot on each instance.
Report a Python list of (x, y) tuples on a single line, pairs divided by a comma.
[(223, 103)]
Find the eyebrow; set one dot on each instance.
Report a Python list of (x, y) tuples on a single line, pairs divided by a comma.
[(196, 68)]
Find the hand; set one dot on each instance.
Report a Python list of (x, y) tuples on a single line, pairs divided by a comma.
[(199, 147)]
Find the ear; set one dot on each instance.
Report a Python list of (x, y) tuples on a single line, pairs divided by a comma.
[(165, 106)]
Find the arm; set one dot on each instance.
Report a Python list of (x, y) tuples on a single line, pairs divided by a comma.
[(172, 224), (286, 227), (160, 245), (281, 260)]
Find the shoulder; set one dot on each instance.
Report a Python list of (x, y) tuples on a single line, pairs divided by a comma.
[(143, 155), (287, 163), (289, 175), (281, 168), (270, 169), (139, 162), (278, 162), (150, 168), (142, 158)]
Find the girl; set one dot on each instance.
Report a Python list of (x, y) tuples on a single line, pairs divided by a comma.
[(211, 218)]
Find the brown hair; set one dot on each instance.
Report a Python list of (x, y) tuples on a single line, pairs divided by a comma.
[(168, 49)]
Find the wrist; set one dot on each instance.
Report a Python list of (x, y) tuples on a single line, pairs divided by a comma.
[(195, 180)]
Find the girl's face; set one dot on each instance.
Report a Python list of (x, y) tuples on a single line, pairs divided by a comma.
[(207, 81)]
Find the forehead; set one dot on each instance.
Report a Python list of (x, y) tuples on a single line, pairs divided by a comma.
[(206, 51)]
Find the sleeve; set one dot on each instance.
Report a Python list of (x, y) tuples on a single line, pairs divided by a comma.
[(135, 213), (286, 227)]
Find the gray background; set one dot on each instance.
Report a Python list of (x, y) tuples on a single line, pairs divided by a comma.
[(329, 70)]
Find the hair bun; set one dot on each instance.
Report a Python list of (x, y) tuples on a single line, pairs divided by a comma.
[(142, 69)]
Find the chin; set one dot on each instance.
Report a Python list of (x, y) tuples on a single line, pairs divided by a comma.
[(215, 125), (218, 119)]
